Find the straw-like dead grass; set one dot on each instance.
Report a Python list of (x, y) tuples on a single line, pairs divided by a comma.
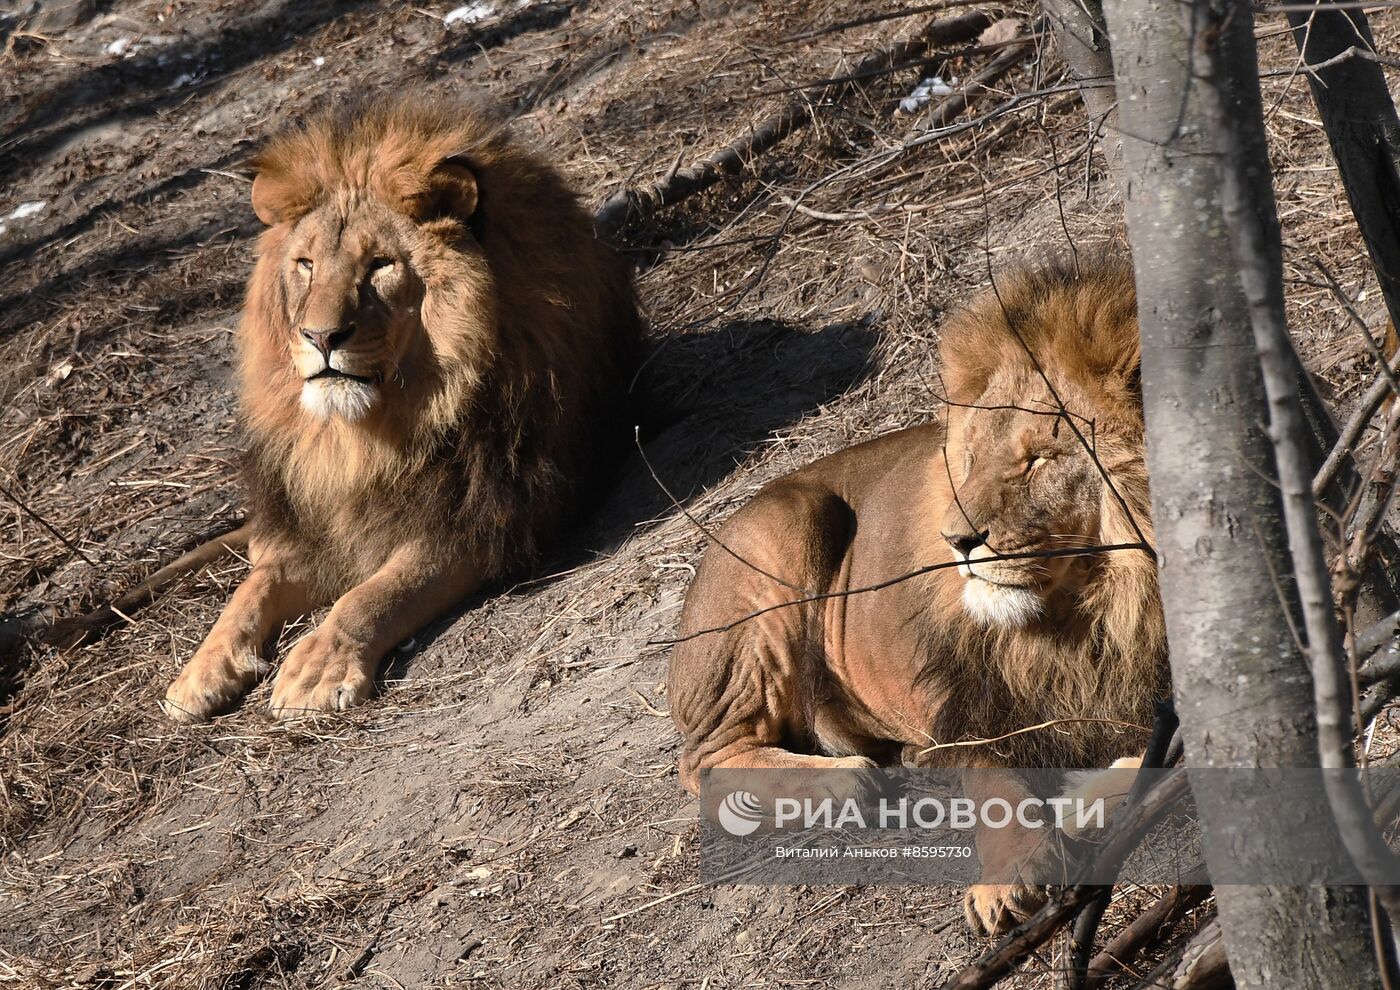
[(506, 813)]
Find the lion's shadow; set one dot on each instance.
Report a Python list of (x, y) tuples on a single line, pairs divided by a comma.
[(709, 399)]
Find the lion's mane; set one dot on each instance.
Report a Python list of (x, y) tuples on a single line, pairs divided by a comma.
[(1106, 657), (516, 419)]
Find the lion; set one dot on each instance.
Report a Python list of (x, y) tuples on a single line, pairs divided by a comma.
[(783, 661), (436, 355)]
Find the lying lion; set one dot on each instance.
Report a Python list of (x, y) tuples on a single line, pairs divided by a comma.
[(980, 648), (436, 355)]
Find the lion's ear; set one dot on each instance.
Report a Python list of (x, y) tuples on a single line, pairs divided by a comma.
[(277, 199), (450, 191)]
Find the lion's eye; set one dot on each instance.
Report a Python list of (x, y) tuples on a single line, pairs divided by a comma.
[(379, 264), (1034, 463), (305, 265)]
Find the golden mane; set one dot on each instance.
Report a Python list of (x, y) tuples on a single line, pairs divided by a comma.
[(519, 408), (1106, 658)]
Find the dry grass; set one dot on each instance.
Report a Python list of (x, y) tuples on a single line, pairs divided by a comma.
[(483, 807)]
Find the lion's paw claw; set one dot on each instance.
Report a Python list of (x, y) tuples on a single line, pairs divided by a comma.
[(321, 674)]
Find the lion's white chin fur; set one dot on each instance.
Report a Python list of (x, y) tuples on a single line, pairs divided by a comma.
[(997, 606), (350, 400)]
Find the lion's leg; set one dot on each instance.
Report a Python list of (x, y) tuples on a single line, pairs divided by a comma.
[(746, 696), (774, 758), (1011, 858), (1006, 898), (333, 668), (231, 660)]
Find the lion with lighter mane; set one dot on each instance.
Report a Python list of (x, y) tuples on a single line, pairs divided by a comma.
[(1022, 622), (435, 358)]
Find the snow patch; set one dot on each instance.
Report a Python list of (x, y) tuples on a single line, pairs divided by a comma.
[(926, 91), (118, 47), (28, 209), (469, 13), (318, 61)]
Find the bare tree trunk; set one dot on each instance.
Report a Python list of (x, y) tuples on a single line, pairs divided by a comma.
[(1362, 127), (1083, 42), (1079, 31), (1230, 598), (1364, 133)]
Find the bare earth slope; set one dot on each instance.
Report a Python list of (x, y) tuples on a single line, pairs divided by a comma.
[(506, 813)]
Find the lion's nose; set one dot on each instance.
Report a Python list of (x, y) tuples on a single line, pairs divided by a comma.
[(965, 543), (326, 341)]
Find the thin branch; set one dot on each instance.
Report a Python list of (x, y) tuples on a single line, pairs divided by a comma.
[(1052, 723), (1166, 732), (907, 576), (931, 8), (709, 535), (1378, 635), (1199, 963), (888, 70), (1145, 931), (613, 215), (1125, 833), (24, 507), (1343, 450), (980, 82)]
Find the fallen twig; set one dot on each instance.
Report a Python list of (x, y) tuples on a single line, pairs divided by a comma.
[(930, 8), (979, 83), (71, 631), (24, 507), (863, 75), (1199, 965), (1124, 835), (1144, 931), (613, 215)]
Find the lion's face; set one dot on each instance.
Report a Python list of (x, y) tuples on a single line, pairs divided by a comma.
[(349, 262), (353, 300), (1023, 484)]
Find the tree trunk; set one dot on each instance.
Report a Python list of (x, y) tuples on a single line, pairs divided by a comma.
[(1080, 33), (1363, 130), (1083, 42), (1362, 127), (1226, 574)]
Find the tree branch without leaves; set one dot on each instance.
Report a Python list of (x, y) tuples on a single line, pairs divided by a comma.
[(1127, 830), (613, 215)]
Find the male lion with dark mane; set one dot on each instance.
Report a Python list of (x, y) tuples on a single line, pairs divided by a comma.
[(1041, 460), (436, 355)]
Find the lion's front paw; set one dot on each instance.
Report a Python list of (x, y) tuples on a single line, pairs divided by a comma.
[(325, 672), (994, 908), (216, 677)]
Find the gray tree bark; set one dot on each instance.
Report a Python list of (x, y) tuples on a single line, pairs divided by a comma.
[(1362, 127), (1082, 38), (1354, 122), (1243, 689)]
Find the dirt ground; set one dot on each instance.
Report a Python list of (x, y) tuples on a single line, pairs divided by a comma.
[(506, 813)]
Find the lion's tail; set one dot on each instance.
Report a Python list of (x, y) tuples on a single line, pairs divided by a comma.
[(76, 629)]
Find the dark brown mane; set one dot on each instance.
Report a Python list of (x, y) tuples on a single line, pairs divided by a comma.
[(517, 415)]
